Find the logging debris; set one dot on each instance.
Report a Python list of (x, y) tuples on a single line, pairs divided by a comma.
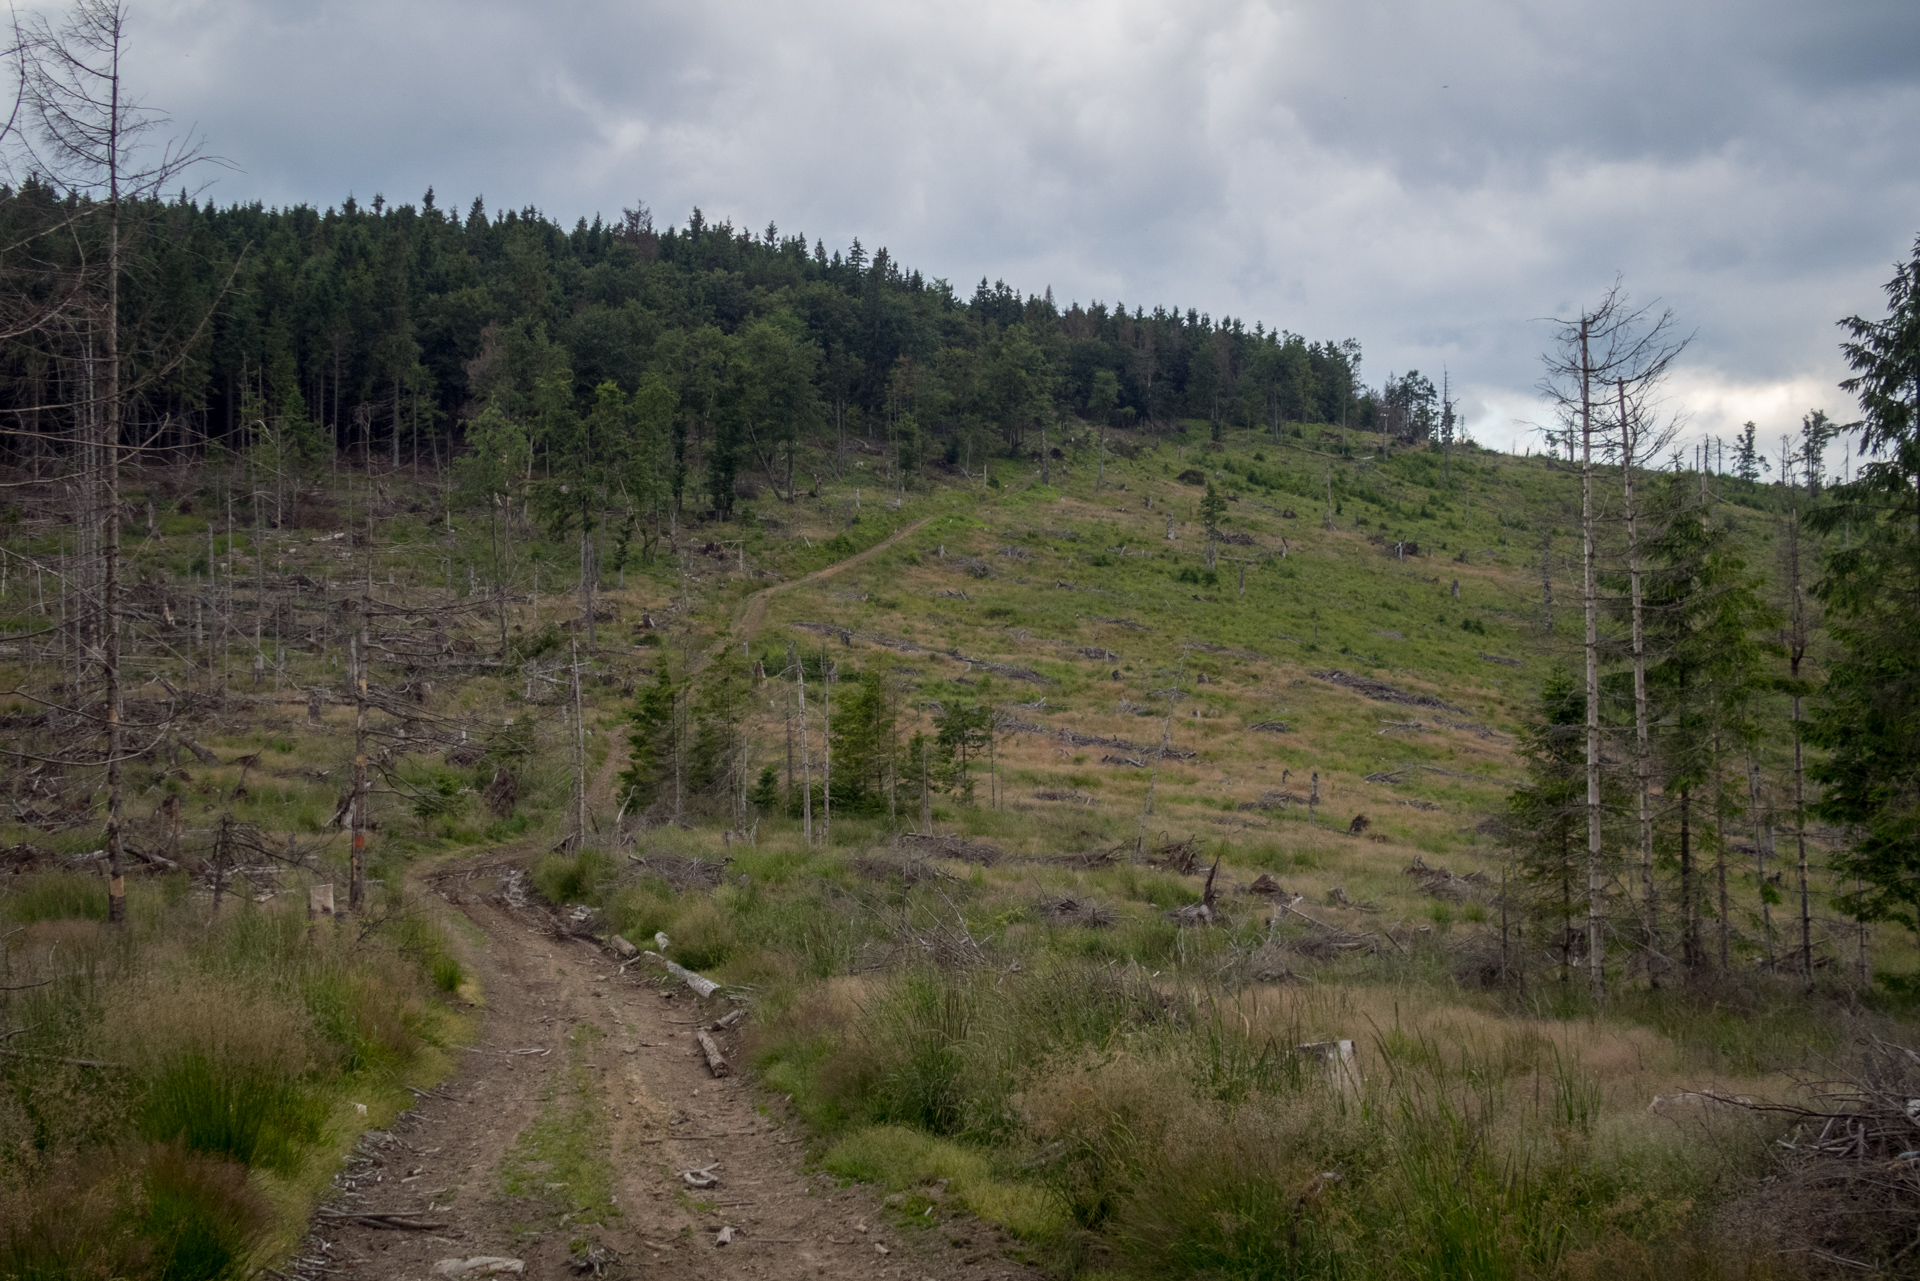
[(1178, 856), (1200, 913), (1440, 883), (701, 985), (939, 845), (1067, 910), (911, 868), (1380, 691), (716, 1061), (682, 873)]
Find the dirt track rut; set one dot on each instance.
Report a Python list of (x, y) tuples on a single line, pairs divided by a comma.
[(568, 1039)]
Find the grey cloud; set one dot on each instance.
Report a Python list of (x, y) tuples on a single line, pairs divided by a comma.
[(1751, 163)]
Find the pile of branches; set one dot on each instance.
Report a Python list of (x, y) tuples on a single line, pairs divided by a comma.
[(1107, 857), (1380, 691), (949, 846), (931, 937), (1439, 882), (1177, 856), (1325, 943), (1067, 910), (910, 868), (681, 873), (1075, 739), (1008, 670), (1847, 1190)]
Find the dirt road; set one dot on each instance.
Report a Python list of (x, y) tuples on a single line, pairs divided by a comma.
[(564, 1140)]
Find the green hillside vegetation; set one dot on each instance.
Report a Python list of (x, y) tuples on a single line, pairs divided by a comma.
[(1008, 1005)]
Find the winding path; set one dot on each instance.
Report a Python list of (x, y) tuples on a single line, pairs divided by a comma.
[(747, 625)]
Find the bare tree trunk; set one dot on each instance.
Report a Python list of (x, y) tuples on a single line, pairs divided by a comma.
[(926, 794), (1720, 857), (361, 654), (1596, 884), (1642, 739), (993, 763), (1153, 776), (1689, 900), (357, 857), (110, 546), (893, 751), (1863, 963), (579, 754), (1760, 840), (826, 748), (499, 579), (806, 764), (586, 577), (1546, 580)]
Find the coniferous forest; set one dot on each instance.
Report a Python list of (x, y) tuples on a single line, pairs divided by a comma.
[(683, 751), (385, 331)]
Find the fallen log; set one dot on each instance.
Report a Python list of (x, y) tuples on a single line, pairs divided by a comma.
[(405, 1220), (716, 1061), (700, 983), (485, 1265)]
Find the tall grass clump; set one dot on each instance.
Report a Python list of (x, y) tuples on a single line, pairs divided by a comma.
[(174, 1080), (572, 878)]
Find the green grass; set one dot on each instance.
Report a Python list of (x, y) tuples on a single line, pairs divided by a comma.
[(561, 1161)]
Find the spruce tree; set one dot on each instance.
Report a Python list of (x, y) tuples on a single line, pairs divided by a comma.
[(653, 739), (1868, 715), (1545, 828), (1706, 623)]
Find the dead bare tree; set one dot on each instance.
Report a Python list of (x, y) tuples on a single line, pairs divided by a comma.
[(1612, 342), (87, 134), (1643, 436)]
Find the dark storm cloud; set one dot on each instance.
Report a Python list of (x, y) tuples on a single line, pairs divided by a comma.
[(1427, 178)]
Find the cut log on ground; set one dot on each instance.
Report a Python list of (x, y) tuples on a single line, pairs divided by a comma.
[(408, 1220), (716, 1061), (701, 985)]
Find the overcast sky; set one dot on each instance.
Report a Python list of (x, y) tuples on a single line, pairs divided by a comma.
[(1430, 179)]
